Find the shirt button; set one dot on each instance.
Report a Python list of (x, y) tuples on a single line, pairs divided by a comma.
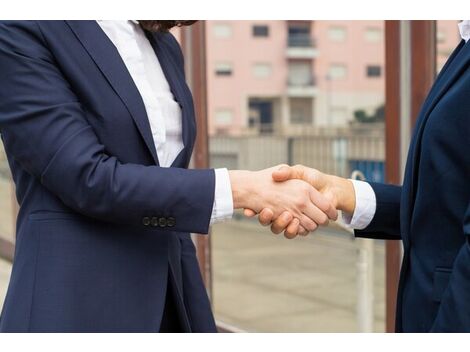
[(171, 222), (146, 221), (154, 221), (162, 222)]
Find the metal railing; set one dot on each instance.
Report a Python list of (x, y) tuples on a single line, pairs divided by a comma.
[(310, 81), (300, 41)]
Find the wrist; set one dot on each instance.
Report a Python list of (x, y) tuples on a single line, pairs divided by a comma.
[(240, 183), (344, 194)]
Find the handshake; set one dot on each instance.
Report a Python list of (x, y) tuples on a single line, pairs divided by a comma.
[(294, 200)]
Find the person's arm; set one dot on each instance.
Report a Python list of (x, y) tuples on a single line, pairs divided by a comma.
[(355, 199), (385, 223), (45, 129), (454, 310)]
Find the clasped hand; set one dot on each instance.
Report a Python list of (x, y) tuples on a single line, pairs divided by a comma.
[(294, 200)]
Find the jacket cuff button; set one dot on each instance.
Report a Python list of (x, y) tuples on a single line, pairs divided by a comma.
[(171, 222), (162, 222), (146, 221), (154, 221)]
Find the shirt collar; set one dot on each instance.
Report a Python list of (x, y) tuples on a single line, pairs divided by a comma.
[(464, 29)]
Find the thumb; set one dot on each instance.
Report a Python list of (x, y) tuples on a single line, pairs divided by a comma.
[(282, 174)]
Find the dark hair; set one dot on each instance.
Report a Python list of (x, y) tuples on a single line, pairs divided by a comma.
[(163, 26)]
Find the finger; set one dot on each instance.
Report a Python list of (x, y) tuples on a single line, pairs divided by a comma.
[(302, 231), (324, 205), (266, 217), (281, 222), (249, 213), (292, 229), (282, 174), (316, 215), (307, 223)]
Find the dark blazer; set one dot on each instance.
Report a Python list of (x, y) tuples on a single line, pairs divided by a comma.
[(102, 228), (430, 213)]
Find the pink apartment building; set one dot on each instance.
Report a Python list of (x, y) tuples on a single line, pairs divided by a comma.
[(285, 77)]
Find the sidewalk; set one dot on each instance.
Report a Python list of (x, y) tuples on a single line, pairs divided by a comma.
[(265, 283)]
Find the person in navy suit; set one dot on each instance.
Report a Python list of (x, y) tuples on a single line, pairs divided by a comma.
[(429, 213), (98, 126)]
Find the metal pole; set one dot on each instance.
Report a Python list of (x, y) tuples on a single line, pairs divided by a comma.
[(194, 48), (392, 151), (365, 278)]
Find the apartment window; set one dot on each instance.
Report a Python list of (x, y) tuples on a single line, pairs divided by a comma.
[(337, 34), (300, 73), (262, 70), (337, 72), (223, 69), (301, 111), (260, 31), (374, 71), (373, 35), (223, 117), (222, 30), (299, 35)]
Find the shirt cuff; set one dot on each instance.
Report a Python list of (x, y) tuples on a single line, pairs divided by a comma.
[(366, 205), (223, 202)]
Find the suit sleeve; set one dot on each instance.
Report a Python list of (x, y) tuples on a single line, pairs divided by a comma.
[(454, 311), (45, 130), (386, 222)]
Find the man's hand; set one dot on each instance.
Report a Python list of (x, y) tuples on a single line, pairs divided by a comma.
[(293, 201), (338, 191)]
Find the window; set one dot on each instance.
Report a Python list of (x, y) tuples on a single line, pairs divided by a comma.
[(301, 111), (222, 30), (265, 283), (374, 71), (262, 70), (300, 73), (223, 69), (337, 71), (260, 31), (337, 34), (299, 35), (373, 35), (223, 117)]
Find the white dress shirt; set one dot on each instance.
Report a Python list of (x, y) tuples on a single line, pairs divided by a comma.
[(163, 112), (366, 202)]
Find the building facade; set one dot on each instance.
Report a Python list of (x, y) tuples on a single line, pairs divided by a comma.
[(287, 77)]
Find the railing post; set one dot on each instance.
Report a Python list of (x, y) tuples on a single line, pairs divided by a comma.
[(365, 278)]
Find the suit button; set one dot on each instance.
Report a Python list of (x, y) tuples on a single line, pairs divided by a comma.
[(154, 221), (146, 221), (171, 222), (162, 222)]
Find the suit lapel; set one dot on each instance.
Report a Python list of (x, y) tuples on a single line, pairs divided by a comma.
[(180, 90), (456, 64), (107, 58)]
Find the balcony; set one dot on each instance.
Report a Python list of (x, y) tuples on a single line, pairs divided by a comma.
[(302, 86), (301, 46)]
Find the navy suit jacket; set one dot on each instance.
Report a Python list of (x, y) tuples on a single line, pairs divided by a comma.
[(102, 228), (430, 213)]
